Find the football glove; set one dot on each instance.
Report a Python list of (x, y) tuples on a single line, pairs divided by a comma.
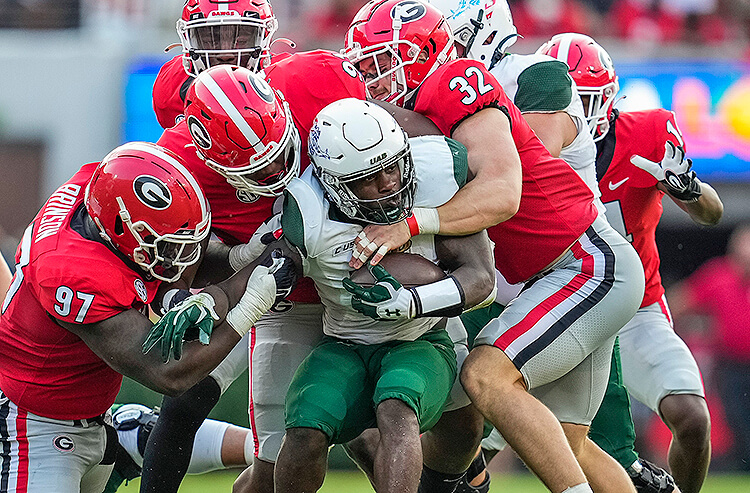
[(195, 312), (386, 300), (267, 233), (673, 172), (260, 294)]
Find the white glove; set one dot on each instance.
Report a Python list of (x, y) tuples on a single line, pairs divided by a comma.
[(386, 300), (673, 172), (259, 297), (242, 255)]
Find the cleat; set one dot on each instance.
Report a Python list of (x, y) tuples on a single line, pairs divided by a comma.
[(131, 416), (650, 478)]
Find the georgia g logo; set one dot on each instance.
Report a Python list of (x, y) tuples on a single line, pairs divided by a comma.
[(152, 192), (199, 133), (64, 443), (261, 88), (408, 11)]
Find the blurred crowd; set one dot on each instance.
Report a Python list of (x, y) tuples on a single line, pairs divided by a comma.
[(661, 21)]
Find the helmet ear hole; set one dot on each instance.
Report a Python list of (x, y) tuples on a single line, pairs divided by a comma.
[(119, 228)]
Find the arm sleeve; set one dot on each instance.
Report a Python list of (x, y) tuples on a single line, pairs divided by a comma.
[(544, 87)]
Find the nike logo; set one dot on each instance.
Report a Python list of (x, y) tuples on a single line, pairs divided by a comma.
[(613, 186)]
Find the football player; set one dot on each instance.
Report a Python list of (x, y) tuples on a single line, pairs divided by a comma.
[(228, 108), (640, 159), (212, 32), (405, 51), (366, 170), (73, 320)]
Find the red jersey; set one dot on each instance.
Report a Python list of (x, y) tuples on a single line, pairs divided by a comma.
[(630, 195), (556, 205), (329, 77), (170, 88), (45, 368), (235, 215)]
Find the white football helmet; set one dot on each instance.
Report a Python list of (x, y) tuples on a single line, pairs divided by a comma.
[(353, 139), (484, 29)]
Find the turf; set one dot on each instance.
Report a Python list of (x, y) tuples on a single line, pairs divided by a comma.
[(355, 482)]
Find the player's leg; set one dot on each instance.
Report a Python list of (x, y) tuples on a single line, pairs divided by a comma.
[(414, 380), (613, 429), (497, 389), (329, 401), (398, 459), (573, 399), (39, 455), (451, 445), (280, 341), (546, 332), (660, 371), (167, 455)]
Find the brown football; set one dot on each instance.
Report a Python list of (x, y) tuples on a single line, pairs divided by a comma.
[(408, 268)]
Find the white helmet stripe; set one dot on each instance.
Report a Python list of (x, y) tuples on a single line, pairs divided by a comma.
[(156, 151), (564, 48), (227, 105)]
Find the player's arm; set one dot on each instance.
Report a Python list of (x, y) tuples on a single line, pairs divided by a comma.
[(676, 179), (545, 91), (469, 285), (494, 193), (555, 130), (118, 339), (707, 210), (470, 261)]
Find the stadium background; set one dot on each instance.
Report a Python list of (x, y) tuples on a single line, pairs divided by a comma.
[(76, 75)]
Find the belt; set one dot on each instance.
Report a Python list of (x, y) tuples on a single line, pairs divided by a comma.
[(85, 423)]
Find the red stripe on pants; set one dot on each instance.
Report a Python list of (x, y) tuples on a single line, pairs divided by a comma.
[(550, 303)]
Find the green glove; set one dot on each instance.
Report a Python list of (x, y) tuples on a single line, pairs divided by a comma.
[(196, 312), (386, 300)]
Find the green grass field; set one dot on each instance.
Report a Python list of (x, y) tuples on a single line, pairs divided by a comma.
[(355, 482)]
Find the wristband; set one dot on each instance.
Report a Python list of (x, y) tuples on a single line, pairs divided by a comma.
[(439, 299), (423, 221), (172, 298)]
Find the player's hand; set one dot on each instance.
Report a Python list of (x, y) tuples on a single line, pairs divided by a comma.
[(376, 240), (386, 300), (267, 233), (673, 172), (260, 295), (196, 312), (284, 273)]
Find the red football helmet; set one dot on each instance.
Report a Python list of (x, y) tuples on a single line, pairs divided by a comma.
[(236, 32), (593, 72), (148, 206), (240, 126), (413, 37)]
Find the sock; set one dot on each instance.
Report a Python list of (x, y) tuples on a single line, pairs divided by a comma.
[(206, 455), (438, 482), (579, 488), (129, 441), (613, 429), (476, 467), (170, 445)]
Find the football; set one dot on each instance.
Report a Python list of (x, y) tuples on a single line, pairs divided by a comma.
[(408, 268)]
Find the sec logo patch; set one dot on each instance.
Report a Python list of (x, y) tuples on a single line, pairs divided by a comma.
[(140, 290)]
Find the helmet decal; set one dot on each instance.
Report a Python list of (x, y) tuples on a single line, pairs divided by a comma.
[(198, 132), (152, 192), (409, 11), (262, 88)]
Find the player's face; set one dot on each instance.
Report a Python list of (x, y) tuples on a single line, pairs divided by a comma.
[(381, 185), (224, 43), (371, 68)]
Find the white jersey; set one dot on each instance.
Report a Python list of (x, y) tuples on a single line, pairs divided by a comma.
[(325, 238), (538, 83)]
